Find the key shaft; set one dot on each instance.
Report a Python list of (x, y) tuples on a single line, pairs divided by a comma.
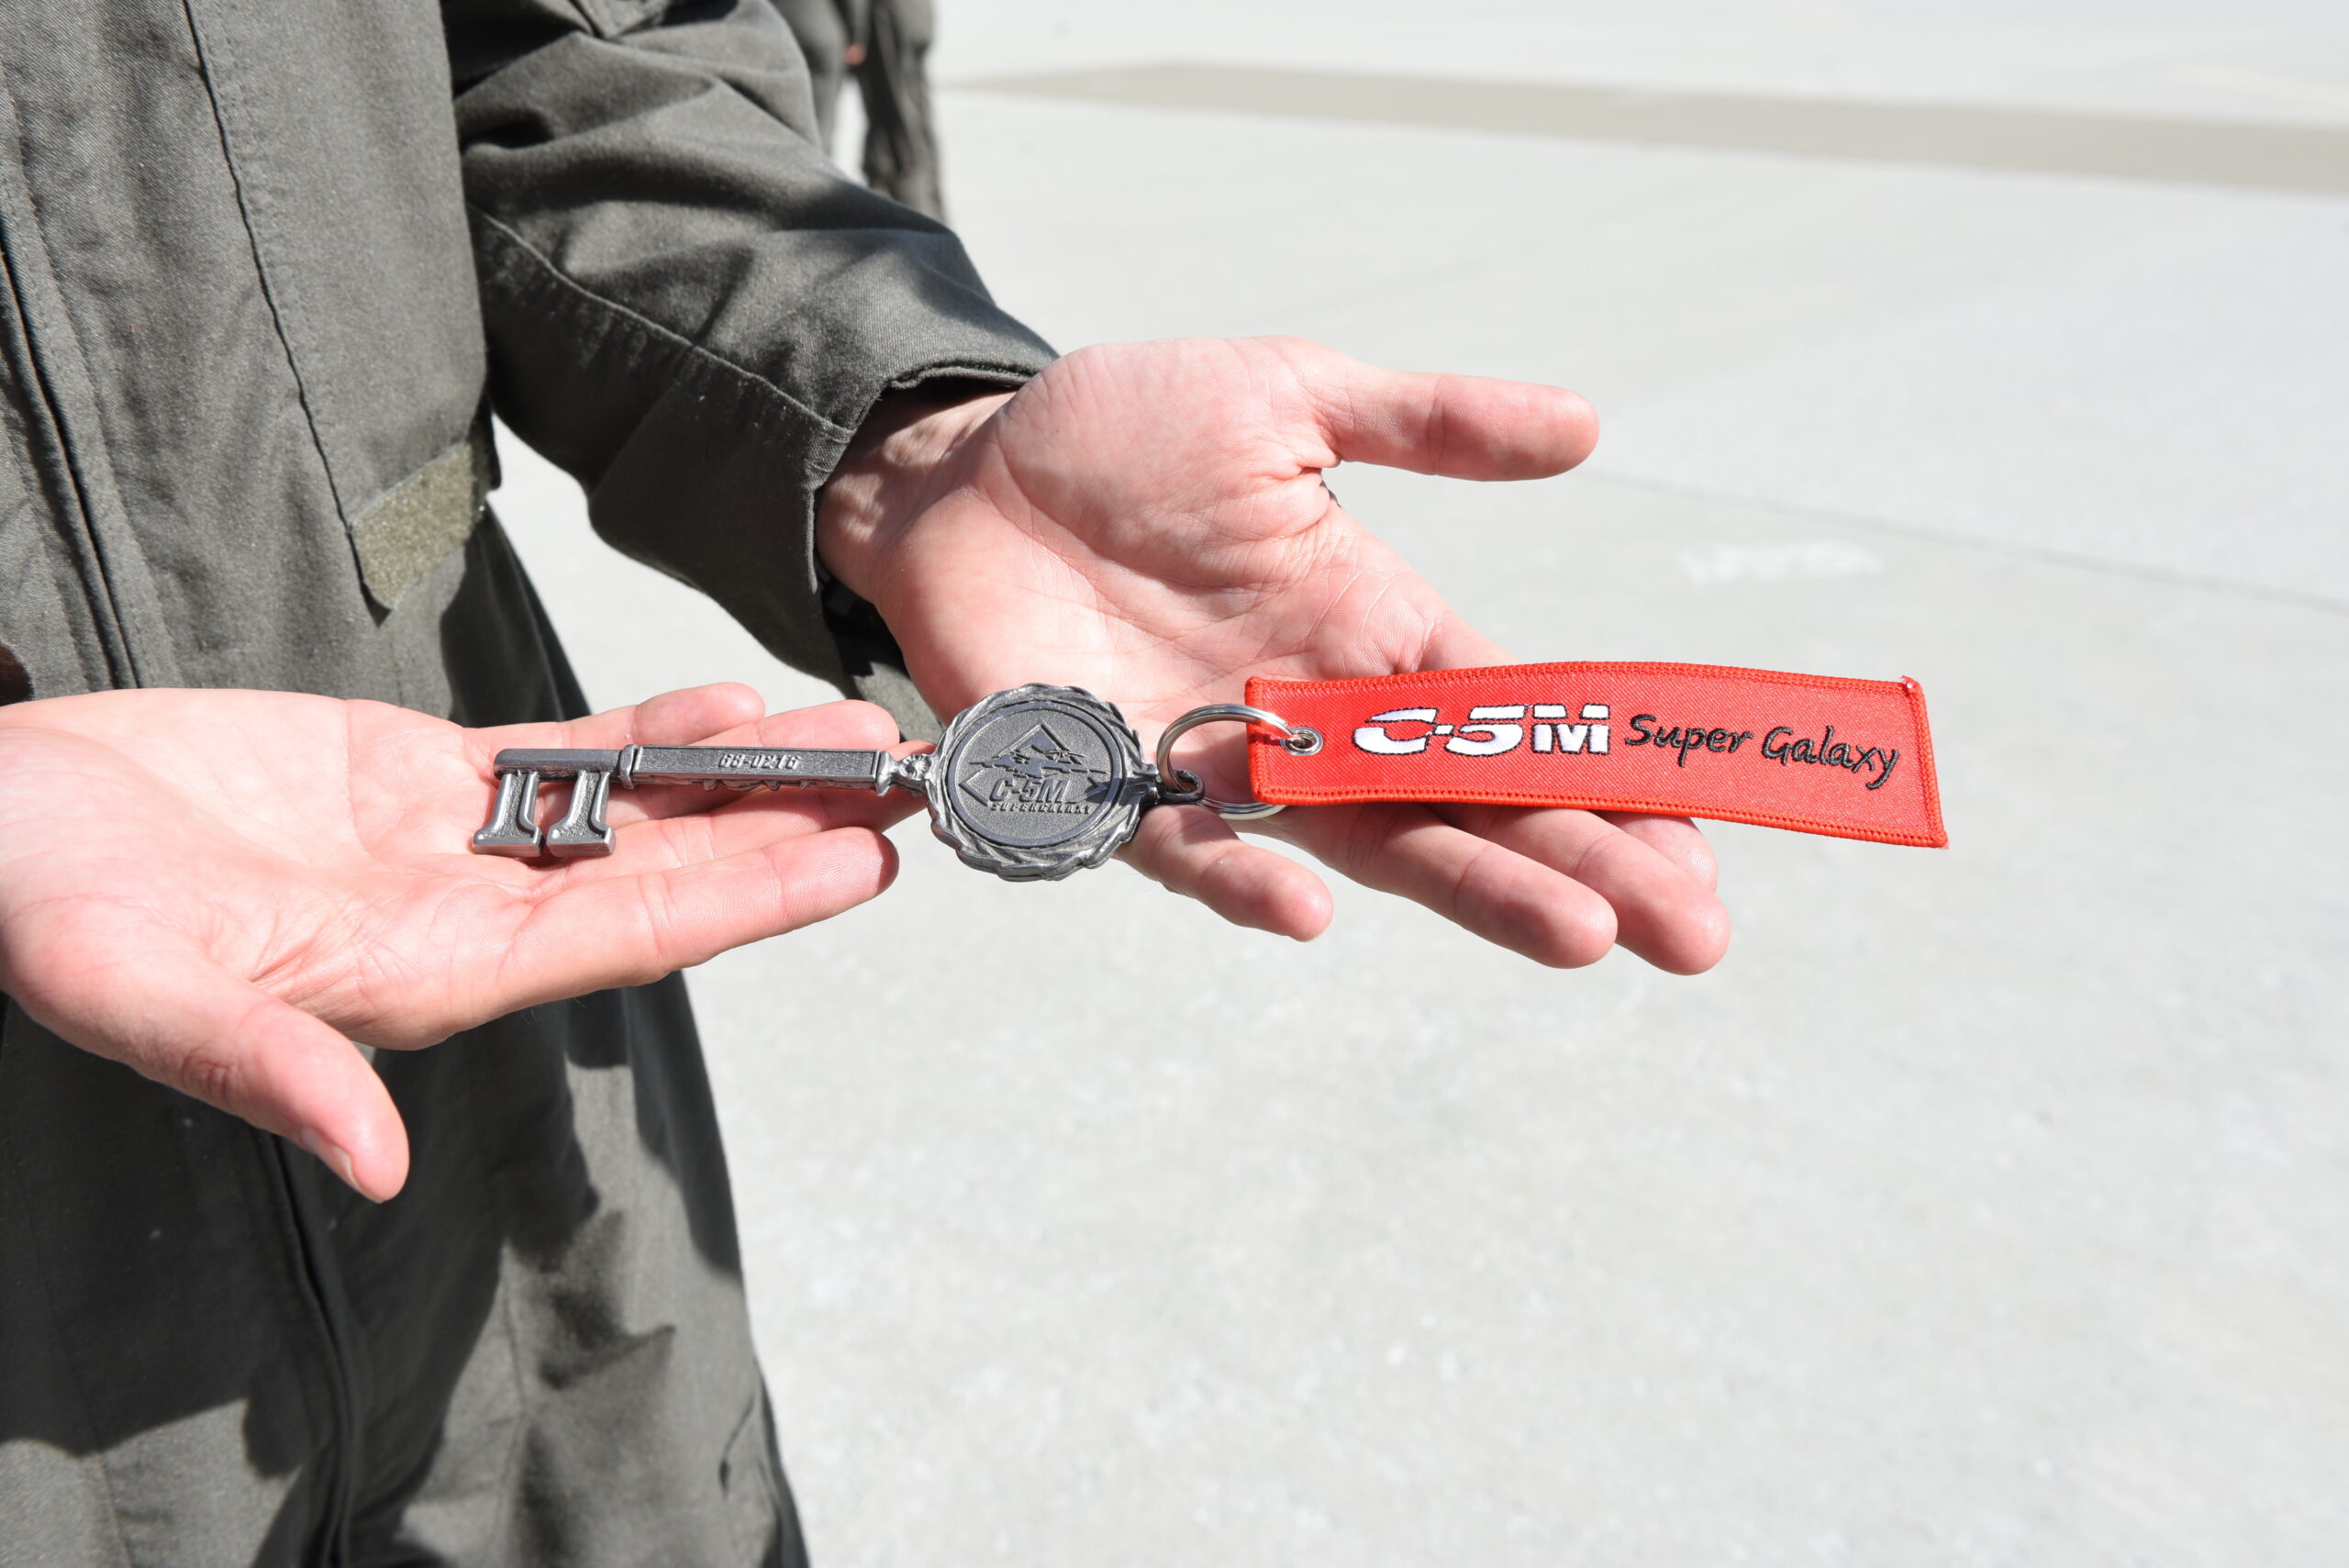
[(750, 767), (583, 830)]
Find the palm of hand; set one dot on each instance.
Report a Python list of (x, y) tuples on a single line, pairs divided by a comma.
[(274, 873), (1148, 521), (1152, 520)]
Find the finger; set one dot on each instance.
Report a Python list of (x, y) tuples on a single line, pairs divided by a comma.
[(1194, 852), (1676, 838), (1491, 890), (587, 935), (1464, 427), (182, 1020), (684, 718), (686, 825), (672, 719), (1456, 645), (1662, 913)]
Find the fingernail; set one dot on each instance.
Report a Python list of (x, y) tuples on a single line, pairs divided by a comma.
[(333, 1156)]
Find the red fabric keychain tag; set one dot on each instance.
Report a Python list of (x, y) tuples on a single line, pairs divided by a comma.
[(1815, 753)]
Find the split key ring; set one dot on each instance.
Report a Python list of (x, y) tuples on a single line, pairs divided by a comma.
[(1189, 791)]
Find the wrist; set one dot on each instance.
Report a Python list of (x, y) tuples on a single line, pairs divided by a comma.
[(896, 464)]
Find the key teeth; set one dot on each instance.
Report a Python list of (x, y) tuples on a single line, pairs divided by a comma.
[(512, 829), (579, 848), (489, 842), (583, 833), (565, 847)]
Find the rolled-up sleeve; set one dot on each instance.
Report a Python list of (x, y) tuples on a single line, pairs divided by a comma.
[(688, 306)]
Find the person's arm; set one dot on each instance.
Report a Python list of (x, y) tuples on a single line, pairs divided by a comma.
[(226, 889), (688, 306), (692, 312)]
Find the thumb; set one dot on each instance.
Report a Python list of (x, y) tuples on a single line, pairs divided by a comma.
[(1462, 426), (190, 1024)]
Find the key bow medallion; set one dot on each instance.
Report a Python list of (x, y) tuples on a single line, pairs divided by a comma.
[(1037, 782)]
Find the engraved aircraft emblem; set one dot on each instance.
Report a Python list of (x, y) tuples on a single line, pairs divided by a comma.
[(1037, 752), (1038, 774)]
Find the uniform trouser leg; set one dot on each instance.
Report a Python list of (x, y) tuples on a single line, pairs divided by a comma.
[(901, 135), (823, 39)]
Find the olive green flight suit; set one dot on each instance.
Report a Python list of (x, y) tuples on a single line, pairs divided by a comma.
[(264, 267)]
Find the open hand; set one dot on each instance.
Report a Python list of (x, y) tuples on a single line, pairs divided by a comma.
[(1148, 521), (226, 889)]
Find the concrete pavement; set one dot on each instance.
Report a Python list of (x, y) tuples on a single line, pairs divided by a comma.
[(1985, 1207)]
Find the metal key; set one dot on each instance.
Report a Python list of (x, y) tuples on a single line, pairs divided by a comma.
[(1029, 784), (513, 826)]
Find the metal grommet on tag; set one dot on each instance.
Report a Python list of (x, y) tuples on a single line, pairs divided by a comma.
[(1296, 738)]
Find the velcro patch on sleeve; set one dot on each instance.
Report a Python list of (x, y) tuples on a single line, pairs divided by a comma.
[(1815, 753)]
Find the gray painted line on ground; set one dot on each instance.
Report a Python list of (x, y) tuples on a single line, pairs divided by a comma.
[(2208, 152)]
